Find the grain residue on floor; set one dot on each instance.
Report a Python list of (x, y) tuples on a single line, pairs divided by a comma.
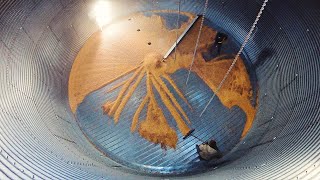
[(120, 47), (237, 89), (123, 48), (155, 127)]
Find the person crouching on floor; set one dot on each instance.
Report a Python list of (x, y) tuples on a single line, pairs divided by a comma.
[(208, 151)]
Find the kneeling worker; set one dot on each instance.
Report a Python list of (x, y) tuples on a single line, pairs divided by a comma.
[(208, 151)]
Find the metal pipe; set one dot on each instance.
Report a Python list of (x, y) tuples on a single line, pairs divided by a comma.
[(179, 39)]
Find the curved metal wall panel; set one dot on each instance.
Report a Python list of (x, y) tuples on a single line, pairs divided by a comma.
[(40, 139)]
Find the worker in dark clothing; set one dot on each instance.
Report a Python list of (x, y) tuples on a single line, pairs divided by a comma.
[(208, 150), (220, 38), (215, 48)]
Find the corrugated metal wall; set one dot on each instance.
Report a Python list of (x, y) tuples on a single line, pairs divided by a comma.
[(39, 137)]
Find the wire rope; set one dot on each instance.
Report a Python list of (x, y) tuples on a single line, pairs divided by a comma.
[(238, 55)]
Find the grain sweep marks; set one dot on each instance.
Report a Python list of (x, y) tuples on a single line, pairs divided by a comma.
[(237, 89), (155, 127), (235, 92), (118, 48)]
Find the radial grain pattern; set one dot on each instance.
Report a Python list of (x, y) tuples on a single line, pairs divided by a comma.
[(123, 48)]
